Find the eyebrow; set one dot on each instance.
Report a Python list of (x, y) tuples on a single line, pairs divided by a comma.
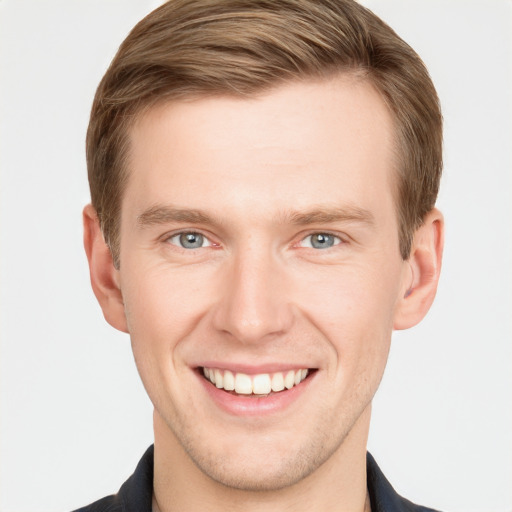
[(336, 214), (163, 214)]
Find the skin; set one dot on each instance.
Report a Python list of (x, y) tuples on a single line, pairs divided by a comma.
[(266, 174)]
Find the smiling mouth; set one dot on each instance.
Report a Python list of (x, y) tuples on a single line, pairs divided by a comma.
[(259, 385)]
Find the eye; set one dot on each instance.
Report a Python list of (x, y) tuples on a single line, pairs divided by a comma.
[(189, 240), (320, 241)]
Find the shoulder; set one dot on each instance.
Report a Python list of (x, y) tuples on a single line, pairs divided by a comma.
[(135, 494), (107, 504), (409, 506)]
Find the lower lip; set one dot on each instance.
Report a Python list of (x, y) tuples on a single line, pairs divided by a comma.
[(251, 405)]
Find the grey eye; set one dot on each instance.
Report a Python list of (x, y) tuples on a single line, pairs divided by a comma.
[(190, 240), (320, 241)]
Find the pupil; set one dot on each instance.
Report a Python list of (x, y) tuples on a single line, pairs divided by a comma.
[(191, 240)]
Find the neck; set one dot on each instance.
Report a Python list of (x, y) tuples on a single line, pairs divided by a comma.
[(339, 484)]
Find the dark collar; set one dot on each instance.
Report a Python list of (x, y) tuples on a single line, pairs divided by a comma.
[(383, 497), (136, 493)]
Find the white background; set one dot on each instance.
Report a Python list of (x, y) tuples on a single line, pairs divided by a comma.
[(74, 418)]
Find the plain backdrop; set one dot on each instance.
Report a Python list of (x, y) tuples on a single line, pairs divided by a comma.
[(74, 418)]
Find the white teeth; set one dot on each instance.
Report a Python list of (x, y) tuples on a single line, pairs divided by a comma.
[(243, 384), (229, 381), (289, 380), (261, 384), (277, 382), (219, 379)]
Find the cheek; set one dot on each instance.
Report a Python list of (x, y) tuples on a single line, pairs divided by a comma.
[(163, 305), (353, 308), (349, 295)]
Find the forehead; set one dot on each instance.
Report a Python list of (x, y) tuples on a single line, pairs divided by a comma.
[(300, 144)]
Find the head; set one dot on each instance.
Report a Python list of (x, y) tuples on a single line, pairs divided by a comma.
[(263, 178), (241, 48)]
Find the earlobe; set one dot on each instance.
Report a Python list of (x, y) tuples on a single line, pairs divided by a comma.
[(420, 282), (104, 276)]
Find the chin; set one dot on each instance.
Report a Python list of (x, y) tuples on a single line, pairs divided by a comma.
[(260, 468), (262, 476)]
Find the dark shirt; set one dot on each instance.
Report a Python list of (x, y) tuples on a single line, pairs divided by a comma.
[(136, 493)]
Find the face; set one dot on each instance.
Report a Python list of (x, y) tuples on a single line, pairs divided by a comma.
[(260, 274)]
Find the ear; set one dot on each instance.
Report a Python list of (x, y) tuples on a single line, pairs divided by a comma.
[(421, 272), (104, 276)]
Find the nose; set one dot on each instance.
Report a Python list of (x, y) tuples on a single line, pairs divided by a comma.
[(252, 305)]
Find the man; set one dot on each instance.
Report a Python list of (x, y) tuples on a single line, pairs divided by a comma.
[(263, 179)]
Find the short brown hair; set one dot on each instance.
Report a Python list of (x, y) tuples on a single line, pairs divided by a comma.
[(194, 48)]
